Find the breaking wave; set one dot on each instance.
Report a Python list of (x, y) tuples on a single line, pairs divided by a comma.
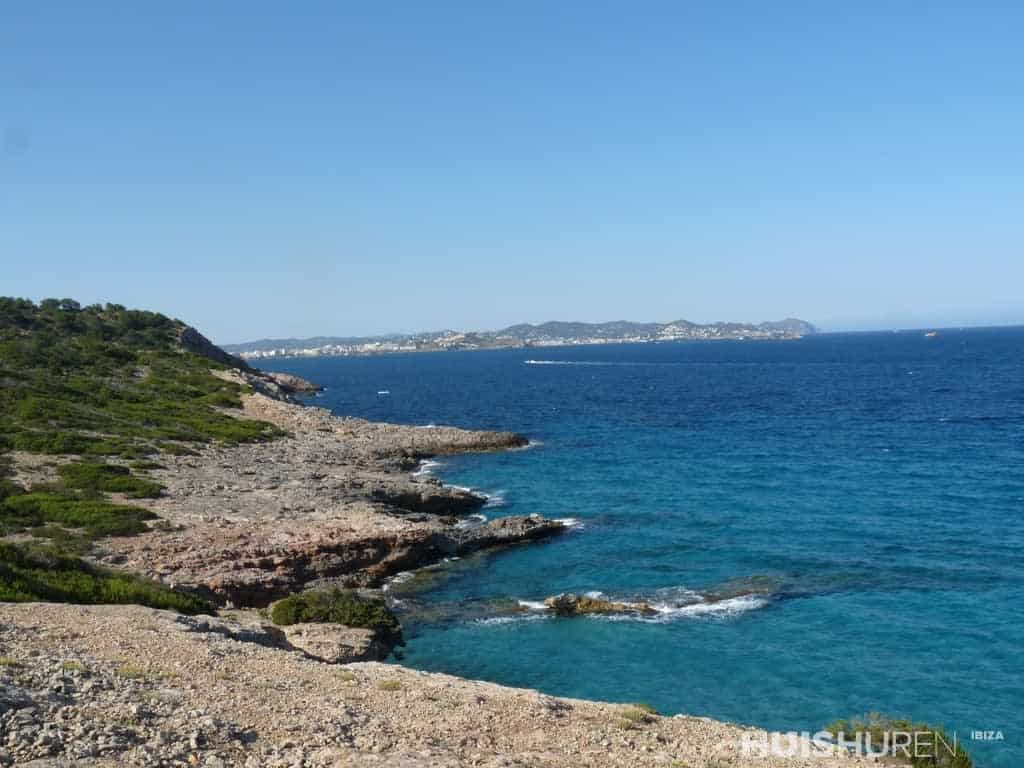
[(426, 468)]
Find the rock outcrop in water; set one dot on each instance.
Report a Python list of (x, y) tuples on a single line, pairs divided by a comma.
[(569, 604)]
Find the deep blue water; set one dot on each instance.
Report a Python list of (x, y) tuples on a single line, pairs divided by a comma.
[(855, 498)]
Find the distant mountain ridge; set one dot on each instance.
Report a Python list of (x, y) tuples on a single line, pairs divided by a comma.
[(551, 333)]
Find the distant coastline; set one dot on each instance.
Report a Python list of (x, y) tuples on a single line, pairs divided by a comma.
[(550, 334)]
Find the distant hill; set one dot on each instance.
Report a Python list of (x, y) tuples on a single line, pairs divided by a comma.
[(524, 334)]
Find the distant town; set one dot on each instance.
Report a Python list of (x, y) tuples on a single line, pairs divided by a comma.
[(551, 334)]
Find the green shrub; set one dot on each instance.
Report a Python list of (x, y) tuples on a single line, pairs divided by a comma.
[(48, 574), (938, 750), (636, 714), (335, 606)]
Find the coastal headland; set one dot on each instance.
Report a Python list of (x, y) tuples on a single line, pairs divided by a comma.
[(301, 500)]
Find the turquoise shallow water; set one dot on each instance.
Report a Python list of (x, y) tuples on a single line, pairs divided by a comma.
[(829, 526)]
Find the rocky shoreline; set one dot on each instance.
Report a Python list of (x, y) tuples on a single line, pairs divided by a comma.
[(334, 502)]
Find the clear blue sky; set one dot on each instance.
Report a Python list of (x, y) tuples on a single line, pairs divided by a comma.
[(280, 169)]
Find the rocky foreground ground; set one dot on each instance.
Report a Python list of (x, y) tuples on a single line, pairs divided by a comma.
[(126, 685), (334, 502)]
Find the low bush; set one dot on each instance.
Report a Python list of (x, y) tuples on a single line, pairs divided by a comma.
[(637, 714), (335, 606)]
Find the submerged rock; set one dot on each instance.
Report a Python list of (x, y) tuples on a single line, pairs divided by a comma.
[(570, 604)]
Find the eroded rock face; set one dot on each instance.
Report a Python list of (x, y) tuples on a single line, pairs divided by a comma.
[(569, 604)]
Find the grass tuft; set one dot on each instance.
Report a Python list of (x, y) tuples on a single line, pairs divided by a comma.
[(130, 672)]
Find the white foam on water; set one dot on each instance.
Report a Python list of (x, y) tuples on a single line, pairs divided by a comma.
[(398, 578), (732, 606), (495, 499), (473, 521), (514, 619), (427, 426), (570, 522), (426, 467), (682, 604), (573, 362), (529, 445), (674, 603)]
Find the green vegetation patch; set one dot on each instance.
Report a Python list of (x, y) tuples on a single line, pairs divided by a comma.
[(919, 745), (73, 511), (335, 606), (44, 573), (92, 517), (109, 478)]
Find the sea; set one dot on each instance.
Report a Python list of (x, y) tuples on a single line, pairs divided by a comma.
[(825, 527)]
